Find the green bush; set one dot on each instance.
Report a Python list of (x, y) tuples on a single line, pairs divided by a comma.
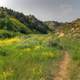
[(5, 34)]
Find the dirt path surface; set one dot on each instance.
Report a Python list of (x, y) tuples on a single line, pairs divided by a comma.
[(63, 72)]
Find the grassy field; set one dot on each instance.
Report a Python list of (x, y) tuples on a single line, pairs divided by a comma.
[(36, 57), (28, 58), (73, 47)]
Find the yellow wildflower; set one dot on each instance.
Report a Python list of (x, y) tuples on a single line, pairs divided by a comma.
[(37, 47), (48, 55)]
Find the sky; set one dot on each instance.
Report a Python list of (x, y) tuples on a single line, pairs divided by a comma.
[(46, 10)]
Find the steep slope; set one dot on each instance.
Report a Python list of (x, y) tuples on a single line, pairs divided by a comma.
[(10, 25), (35, 25), (53, 25), (29, 21), (71, 29), (13, 24)]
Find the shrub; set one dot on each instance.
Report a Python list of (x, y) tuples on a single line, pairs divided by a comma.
[(3, 52), (6, 34)]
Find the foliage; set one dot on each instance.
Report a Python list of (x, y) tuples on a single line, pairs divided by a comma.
[(27, 58), (30, 22)]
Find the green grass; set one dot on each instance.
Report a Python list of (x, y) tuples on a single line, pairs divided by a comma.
[(28, 59), (32, 58), (11, 24), (20, 26), (72, 45)]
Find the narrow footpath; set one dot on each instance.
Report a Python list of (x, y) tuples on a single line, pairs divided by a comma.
[(64, 64)]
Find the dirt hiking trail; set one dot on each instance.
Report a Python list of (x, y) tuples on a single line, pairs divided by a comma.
[(64, 65)]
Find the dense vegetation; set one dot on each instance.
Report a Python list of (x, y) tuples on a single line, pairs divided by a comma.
[(31, 49), (16, 21)]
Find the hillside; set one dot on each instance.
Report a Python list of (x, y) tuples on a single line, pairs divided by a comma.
[(70, 29), (19, 23), (16, 20)]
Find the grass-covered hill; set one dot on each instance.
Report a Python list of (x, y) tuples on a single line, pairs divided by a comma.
[(16, 22)]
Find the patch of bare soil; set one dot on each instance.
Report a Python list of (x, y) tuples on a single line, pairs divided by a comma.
[(64, 65)]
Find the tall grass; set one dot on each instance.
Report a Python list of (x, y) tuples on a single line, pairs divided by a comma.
[(28, 58)]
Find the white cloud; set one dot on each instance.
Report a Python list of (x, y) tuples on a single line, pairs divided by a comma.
[(3, 3)]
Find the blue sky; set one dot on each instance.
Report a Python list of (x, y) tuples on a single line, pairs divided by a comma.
[(58, 10)]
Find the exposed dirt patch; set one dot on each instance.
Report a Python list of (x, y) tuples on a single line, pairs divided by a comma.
[(64, 65)]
